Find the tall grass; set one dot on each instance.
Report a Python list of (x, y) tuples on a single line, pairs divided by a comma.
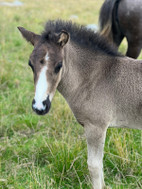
[(50, 151)]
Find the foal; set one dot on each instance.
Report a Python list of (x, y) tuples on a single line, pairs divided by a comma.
[(102, 87)]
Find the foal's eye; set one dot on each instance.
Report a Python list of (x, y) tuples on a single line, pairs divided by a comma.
[(42, 61), (30, 64), (58, 67)]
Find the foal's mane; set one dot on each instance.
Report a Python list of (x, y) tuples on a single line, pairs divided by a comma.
[(79, 34)]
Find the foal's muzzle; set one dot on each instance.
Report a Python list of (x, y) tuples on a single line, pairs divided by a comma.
[(44, 109)]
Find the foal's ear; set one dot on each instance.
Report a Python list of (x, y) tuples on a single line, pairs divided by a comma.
[(29, 36), (63, 38)]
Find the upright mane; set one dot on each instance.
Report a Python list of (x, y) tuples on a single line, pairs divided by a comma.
[(80, 35)]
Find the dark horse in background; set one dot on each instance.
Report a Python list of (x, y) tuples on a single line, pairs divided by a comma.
[(123, 18)]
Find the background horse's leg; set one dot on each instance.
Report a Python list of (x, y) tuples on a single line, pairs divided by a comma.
[(134, 48), (130, 24), (95, 143)]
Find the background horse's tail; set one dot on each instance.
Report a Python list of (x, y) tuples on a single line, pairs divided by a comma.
[(108, 14)]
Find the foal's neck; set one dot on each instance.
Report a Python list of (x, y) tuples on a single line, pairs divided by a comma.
[(80, 67), (70, 75)]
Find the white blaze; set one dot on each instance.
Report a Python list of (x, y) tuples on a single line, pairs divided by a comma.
[(41, 90), (46, 57)]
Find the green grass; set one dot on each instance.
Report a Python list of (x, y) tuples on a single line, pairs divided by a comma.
[(50, 151)]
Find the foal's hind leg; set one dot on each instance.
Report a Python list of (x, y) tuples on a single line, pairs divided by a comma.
[(134, 48), (95, 143)]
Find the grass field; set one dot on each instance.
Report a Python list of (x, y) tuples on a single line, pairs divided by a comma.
[(50, 152)]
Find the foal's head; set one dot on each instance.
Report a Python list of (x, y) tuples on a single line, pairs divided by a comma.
[(46, 62)]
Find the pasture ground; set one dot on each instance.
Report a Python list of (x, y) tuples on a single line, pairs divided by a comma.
[(50, 152)]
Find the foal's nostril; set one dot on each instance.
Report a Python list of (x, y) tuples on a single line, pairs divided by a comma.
[(44, 102), (47, 103)]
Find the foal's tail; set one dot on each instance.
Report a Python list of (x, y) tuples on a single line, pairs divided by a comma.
[(108, 15)]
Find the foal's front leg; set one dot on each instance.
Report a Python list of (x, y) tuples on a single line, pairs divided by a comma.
[(95, 142)]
